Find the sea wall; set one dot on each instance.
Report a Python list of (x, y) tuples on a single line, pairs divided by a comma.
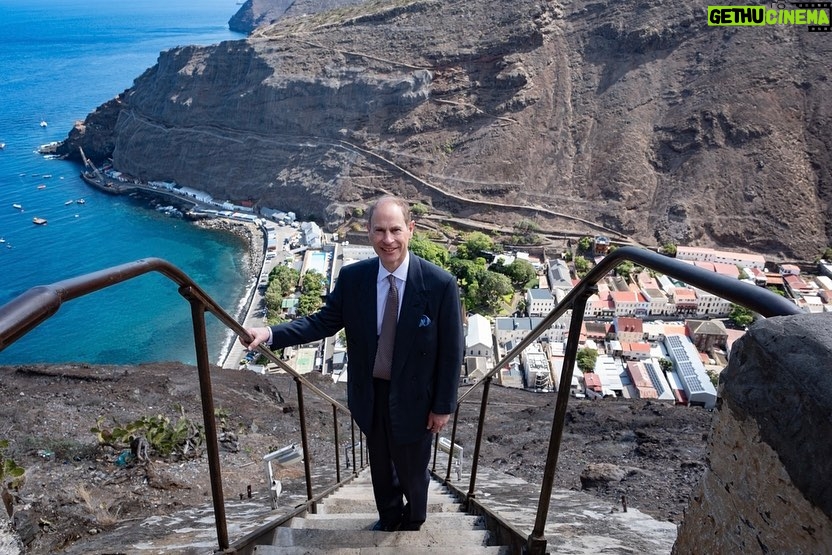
[(766, 488)]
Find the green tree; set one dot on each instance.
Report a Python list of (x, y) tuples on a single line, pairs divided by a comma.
[(526, 233), (493, 290), (581, 265), (273, 297), (827, 254), (584, 243), (585, 358), (286, 277), (420, 245), (669, 249), (624, 269), (419, 209), (666, 364), (313, 283), (308, 304), (467, 271), (740, 315), (520, 272), (475, 245)]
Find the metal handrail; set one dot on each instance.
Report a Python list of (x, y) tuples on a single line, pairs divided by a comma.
[(760, 300), (28, 310), (25, 312)]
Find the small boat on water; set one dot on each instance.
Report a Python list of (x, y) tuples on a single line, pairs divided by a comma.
[(81, 201), (46, 175), (17, 206), (38, 221), (67, 203), (43, 123), (41, 186), (2, 146)]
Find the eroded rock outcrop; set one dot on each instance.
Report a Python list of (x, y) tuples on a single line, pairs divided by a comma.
[(636, 116), (766, 487)]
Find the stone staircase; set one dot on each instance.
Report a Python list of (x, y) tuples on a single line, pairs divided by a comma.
[(343, 521)]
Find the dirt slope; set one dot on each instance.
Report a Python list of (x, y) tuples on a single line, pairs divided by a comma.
[(74, 489)]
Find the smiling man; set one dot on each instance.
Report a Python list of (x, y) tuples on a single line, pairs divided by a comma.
[(403, 323)]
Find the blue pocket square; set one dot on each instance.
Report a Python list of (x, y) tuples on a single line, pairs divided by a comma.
[(424, 321)]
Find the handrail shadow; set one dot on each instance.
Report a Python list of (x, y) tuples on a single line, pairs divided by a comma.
[(758, 299), (31, 308)]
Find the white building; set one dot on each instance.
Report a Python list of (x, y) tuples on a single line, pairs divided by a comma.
[(698, 254), (312, 235), (658, 379), (690, 370), (559, 276), (613, 376), (539, 302), (709, 304), (536, 374), (515, 329), (479, 341)]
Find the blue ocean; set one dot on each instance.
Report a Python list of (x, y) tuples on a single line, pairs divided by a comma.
[(59, 60)]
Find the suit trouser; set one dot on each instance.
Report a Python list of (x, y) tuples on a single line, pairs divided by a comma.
[(397, 470)]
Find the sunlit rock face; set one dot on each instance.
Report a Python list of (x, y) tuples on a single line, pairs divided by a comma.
[(635, 116)]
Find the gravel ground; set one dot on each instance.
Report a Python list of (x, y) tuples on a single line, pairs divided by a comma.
[(650, 453)]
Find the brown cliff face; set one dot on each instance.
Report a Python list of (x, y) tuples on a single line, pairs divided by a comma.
[(636, 116), (254, 13)]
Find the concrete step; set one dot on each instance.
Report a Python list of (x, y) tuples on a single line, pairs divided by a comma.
[(451, 539), (436, 549), (436, 522), (366, 493), (353, 506)]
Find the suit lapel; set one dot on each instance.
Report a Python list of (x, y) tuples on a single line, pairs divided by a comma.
[(369, 298), (413, 307)]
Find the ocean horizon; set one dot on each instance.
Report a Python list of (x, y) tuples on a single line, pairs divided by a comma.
[(61, 60)]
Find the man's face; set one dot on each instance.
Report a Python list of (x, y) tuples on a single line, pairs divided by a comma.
[(389, 234)]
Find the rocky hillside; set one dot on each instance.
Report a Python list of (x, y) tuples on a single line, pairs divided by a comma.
[(634, 115), (76, 494)]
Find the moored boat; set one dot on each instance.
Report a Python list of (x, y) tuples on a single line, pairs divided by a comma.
[(38, 221), (17, 206)]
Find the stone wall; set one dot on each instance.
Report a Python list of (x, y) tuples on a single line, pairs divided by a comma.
[(767, 487)]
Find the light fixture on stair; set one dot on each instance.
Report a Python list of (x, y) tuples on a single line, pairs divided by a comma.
[(283, 457)]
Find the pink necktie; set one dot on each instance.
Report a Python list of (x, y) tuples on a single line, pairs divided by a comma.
[(384, 353)]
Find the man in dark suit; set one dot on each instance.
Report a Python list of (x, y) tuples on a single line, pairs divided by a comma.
[(402, 394)]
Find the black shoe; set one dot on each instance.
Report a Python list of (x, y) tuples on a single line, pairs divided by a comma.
[(382, 526), (410, 526)]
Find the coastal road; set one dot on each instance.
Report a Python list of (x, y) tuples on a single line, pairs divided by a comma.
[(254, 316)]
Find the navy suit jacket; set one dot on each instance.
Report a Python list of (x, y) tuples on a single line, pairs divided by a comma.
[(429, 346)]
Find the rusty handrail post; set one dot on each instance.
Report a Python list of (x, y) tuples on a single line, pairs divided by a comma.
[(480, 425), (537, 540), (435, 449), (337, 448), (361, 446), (453, 442), (307, 469), (207, 395), (352, 448)]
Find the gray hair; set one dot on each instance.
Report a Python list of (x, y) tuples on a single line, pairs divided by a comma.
[(400, 202)]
